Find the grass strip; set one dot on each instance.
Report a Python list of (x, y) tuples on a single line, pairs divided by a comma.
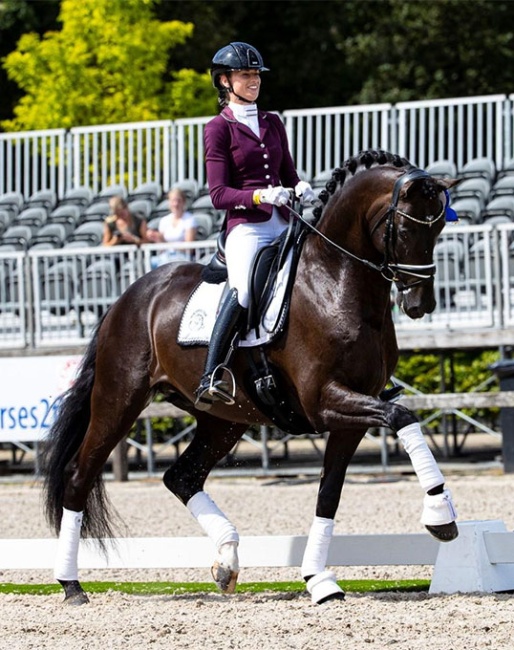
[(177, 588)]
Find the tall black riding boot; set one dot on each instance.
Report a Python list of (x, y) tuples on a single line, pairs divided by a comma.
[(212, 386)]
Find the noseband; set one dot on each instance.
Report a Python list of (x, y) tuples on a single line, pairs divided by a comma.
[(391, 270)]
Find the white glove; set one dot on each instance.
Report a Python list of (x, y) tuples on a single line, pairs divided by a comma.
[(304, 191), (274, 195)]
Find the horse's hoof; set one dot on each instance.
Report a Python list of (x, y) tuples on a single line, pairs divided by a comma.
[(439, 516), (76, 599), (445, 532), (323, 587), (73, 593), (224, 577)]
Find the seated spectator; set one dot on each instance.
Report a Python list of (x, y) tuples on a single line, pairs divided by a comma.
[(122, 226), (177, 226)]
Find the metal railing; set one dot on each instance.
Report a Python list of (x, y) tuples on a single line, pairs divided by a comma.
[(55, 297), (169, 151)]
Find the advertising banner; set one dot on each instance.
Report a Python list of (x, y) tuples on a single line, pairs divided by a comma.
[(30, 391)]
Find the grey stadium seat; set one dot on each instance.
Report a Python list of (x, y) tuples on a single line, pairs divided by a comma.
[(501, 206), (142, 207), (483, 167), (79, 196), (150, 191), (204, 204), (6, 219), (59, 287), (108, 192), (13, 202), (96, 212), (504, 186), (67, 215), (42, 199), (53, 234), (17, 238), (442, 169), (204, 225), (477, 187), (88, 233), (32, 217), (469, 208)]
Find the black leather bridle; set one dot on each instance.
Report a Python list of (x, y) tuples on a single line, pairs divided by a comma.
[(388, 269)]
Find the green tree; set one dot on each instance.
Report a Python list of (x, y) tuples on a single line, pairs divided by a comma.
[(107, 64), (16, 18), (409, 50)]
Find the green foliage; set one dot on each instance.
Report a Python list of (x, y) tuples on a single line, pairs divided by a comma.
[(330, 53), (464, 371), (461, 372), (177, 588), (106, 65), (416, 50), (191, 94)]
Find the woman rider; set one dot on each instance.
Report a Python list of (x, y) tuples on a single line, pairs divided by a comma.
[(248, 168)]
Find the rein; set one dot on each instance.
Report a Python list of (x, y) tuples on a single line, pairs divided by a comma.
[(390, 270)]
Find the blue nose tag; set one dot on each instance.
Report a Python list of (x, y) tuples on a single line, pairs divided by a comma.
[(449, 213)]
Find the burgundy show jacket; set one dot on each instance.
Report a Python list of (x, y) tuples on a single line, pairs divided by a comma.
[(238, 162)]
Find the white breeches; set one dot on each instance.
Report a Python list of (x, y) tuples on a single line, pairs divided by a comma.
[(242, 244)]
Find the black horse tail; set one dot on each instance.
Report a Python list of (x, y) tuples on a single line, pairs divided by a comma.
[(61, 446)]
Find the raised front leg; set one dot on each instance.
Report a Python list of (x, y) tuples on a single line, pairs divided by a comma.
[(341, 408)]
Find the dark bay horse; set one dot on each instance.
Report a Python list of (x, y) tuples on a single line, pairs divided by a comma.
[(378, 224)]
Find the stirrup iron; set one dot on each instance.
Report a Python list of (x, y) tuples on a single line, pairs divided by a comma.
[(217, 386)]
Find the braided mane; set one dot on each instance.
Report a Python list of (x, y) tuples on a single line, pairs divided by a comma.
[(363, 160)]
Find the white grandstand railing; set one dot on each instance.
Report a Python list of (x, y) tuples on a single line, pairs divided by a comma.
[(72, 288), (168, 151), (55, 297), (33, 160), (127, 154), (454, 129), (506, 249), (14, 300), (323, 138), (190, 155)]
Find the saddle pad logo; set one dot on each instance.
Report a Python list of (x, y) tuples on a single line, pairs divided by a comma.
[(197, 321)]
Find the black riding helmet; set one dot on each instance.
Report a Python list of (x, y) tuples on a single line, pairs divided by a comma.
[(235, 56)]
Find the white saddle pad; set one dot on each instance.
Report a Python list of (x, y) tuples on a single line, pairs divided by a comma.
[(200, 313)]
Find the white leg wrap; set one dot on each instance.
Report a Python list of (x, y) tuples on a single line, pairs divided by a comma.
[(213, 522), (423, 462), (66, 562), (316, 551), (227, 556), (438, 509), (322, 586)]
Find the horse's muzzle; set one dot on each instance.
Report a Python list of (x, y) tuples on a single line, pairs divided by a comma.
[(417, 301)]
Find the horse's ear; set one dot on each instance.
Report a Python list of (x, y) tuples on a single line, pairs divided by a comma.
[(447, 183)]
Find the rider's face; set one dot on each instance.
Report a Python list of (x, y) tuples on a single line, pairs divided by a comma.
[(246, 83)]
